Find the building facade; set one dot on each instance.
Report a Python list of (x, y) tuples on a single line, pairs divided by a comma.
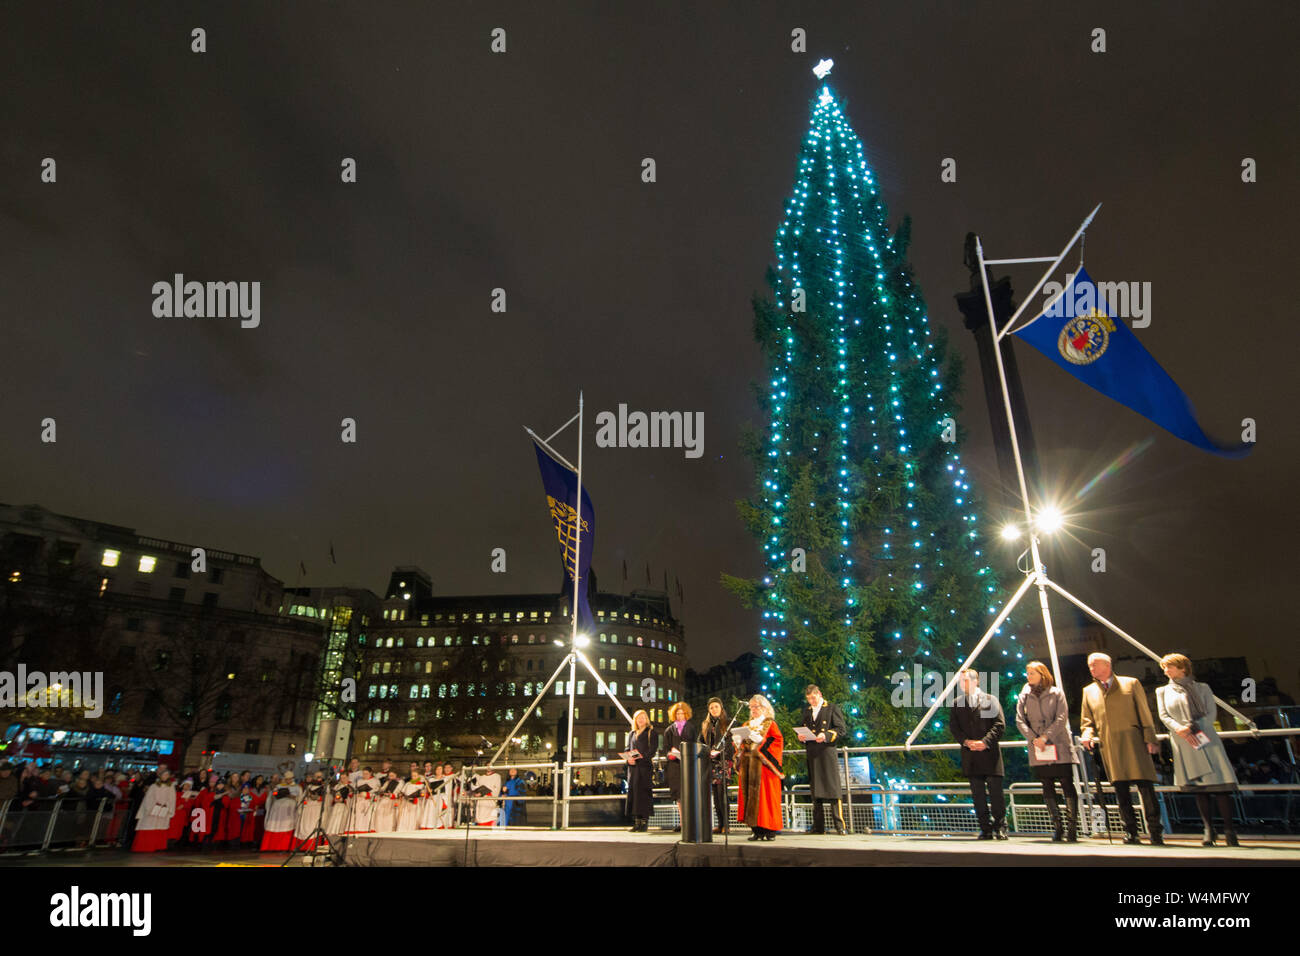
[(193, 652), (449, 677)]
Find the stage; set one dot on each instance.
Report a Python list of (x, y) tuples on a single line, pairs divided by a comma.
[(489, 846)]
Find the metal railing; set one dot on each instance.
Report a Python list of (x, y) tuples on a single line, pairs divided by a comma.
[(931, 807)]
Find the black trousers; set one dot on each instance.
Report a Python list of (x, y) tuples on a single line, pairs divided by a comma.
[(819, 817), (721, 808), (1150, 805), (984, 790)]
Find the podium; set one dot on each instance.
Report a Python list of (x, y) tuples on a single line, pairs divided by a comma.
[(696, 795)]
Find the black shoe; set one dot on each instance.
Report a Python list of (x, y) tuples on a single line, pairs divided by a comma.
[(754, 837), (1132, 839), (677, 829), (769, 836), (1230, 838), (1058, 834), (1157, 839), (986, 836), (1000, 834)]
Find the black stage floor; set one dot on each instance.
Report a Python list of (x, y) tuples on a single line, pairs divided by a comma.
[(522, 847)]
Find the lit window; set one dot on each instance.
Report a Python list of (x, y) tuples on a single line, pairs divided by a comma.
[(147, 563), (110, 558)]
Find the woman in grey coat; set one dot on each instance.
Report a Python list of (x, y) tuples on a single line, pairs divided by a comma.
[(1043, 719), (1201, 765)]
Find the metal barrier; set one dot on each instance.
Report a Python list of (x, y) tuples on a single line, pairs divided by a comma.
[(918, 808), (945, 806), (58, 824)]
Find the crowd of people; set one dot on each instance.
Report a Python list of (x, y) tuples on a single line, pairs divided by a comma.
[(275, 813)]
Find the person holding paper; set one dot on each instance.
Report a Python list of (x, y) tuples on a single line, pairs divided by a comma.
[(822, 727), (1044, 721), (758, 758), (977, 724), (639, 755), (679, 729), (1201, 765)]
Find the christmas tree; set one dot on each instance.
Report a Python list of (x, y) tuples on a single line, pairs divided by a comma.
[(874, 557)]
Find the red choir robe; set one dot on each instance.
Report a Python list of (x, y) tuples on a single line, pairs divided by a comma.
[(201, 822), (231, 823), (184, 800), (115, 820), (758, 802), (251, 830)]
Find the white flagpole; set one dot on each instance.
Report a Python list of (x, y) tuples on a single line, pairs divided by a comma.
[(573, 643)]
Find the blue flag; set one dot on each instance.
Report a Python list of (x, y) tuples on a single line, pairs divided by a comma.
[(1079, 332), (561, 485)]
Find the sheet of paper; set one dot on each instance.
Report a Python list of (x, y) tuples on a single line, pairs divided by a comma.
[(1046, 754)]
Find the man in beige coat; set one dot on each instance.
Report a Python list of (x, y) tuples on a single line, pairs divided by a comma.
[(1115, 715)]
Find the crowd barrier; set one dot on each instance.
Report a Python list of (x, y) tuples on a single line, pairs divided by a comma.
[(931, 807)]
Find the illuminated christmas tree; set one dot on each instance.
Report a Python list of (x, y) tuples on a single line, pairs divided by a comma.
[(875, 561)]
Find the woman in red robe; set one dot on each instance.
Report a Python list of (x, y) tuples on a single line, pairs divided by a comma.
[(181, 818), (201, 821), (759, 763), (251, 831), (232, 822)]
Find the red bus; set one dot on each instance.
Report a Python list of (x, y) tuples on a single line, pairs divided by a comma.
[(83, 750)]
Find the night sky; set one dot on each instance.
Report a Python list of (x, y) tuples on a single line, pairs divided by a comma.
[(522, 171)]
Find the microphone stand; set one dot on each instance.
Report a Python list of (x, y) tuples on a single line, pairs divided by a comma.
[(722, 755)]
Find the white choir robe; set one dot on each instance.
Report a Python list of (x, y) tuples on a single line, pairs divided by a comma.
[(336, 819), (313, 811), (431, 805), (281, 812), (361, 809), (446, 804), (485, 808), (385, 817), (408, 811), (154, 818)]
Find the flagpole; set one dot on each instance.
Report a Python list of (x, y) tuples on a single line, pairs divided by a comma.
[(573, 643)]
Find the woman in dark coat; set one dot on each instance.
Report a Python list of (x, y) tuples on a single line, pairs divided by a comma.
[(640, 770), (679, 730), (716, 740)]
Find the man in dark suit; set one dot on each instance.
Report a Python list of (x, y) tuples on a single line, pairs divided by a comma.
[(827, 726), (977, 724)]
